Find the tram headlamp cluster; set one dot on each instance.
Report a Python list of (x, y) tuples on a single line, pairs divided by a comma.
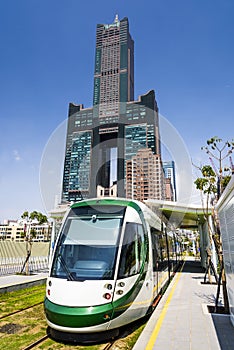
[(48, 290)]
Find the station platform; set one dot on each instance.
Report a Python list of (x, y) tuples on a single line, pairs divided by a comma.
[(182, 320), (12, 282)]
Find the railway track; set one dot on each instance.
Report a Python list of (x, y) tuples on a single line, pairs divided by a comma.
[(18, 311), (108, 346), (37, 342), (21, 321), (23, 294)]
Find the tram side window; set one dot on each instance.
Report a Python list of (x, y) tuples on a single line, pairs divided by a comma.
[(172, 249), (132, 250), (155, 248), (160, 258), (171, 246), (162, 247)]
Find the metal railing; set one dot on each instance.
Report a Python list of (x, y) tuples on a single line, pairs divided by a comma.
[(10, 266), (13, 256)]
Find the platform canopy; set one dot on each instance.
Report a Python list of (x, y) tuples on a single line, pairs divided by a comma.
[(180, 215)]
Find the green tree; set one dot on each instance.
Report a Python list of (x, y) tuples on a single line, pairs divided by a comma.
[(29, 233), (212, 183)]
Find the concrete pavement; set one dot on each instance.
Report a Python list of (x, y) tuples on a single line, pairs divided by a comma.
[(182, 321), (10, 283)]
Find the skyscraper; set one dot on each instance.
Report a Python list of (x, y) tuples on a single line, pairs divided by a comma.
[(100, 140), (114, 67), (169, 171)]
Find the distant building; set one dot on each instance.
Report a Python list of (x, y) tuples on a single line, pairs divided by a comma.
[(102, 139), (169, 193), (14, 231), (169, 171), (144, 176)]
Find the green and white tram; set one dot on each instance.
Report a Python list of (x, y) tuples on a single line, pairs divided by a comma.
[(110, 261)]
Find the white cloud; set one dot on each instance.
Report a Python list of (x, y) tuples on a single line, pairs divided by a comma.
[(16, 155)]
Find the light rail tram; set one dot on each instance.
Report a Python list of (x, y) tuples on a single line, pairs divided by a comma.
[(111, 260)]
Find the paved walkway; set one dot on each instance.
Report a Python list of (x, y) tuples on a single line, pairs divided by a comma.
[(14, 282), (182, 321)]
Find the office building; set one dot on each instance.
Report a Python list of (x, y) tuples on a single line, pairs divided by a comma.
[(102, 139)]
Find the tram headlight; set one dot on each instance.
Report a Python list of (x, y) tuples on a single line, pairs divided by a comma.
[(107, 296), (108, 286), (119, 292), (106, 317), (121, 284)]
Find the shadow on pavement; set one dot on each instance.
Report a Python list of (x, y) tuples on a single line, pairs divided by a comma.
[(193, 266), (224, 330)]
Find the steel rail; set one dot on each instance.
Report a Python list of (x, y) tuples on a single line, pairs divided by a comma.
[(37, 342), (18, 311)]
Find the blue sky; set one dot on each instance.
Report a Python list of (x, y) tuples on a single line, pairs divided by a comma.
[(183, 50)]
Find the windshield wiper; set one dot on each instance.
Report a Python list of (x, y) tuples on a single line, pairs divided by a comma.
[(70, 277)]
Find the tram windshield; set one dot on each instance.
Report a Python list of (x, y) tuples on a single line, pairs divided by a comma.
[(88, 246)]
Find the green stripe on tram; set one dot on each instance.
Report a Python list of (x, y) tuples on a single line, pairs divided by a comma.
[(107, 201), (78, 317)]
